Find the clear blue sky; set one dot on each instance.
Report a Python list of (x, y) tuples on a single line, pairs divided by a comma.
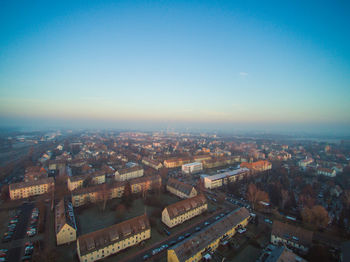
[(257, 64)]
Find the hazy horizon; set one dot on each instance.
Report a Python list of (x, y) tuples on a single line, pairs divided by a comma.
[(246, 65)]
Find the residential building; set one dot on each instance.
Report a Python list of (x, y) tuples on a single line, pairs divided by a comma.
[(192, 168), (305, 162), (128, 173), (31, 188), (75, 182), (145, 183), (283, 254), (326, 172), (98, 177), (258, 166), (201, 158), (180, 189), (220, 161), (201, 244), (34, 173), (152, 163), (290, 235), (219, 180), (93, 194), (181, 211), (65, 226), (176, 162), (111, 240)]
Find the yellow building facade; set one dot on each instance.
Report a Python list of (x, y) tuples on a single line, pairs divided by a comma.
[(184, 210), (31, 188), (180, 189), (108, 241), (207, 240), (65, 226), (128, 173)]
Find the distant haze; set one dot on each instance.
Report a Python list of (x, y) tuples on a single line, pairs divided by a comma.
[(228, 65)]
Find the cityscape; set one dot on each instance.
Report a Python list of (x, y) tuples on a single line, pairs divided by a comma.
[(174, 131)]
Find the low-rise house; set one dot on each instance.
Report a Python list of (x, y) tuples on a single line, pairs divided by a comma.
[(184, 210), (65, 226), (111, 240), (203, 243), (128, 173), (292, 236), (180, 189), (31, 188)]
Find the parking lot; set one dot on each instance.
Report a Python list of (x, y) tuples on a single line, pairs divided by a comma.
[(15, 237)]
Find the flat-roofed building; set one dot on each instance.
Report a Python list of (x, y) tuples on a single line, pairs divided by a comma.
[(292, 236), (128, 173), (192, 168), (180, 189), (111, 240), (184, 210), (219, 180), (145, 183), (176, 162), (93, 194), (258, 166), (151, 163), (202, 243), (65, 226), (31, 188)]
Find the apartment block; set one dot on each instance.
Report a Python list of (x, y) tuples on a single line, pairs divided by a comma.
[(31, 188), (176, 162), (93, 194), (291, 236), (192, 168), (184, 210), (111, 240), (128, 173), (180, 189), (201, 244), (65, 226), (219, 180), (145, 183), (152, 163)]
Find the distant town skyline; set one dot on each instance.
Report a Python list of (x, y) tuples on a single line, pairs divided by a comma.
[(189, 64)]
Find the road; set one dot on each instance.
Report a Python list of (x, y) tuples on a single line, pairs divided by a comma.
[(190, 229)]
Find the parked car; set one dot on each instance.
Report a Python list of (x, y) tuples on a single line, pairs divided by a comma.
[(207, 223), (145, 257), (198, 228), (180, 238)]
